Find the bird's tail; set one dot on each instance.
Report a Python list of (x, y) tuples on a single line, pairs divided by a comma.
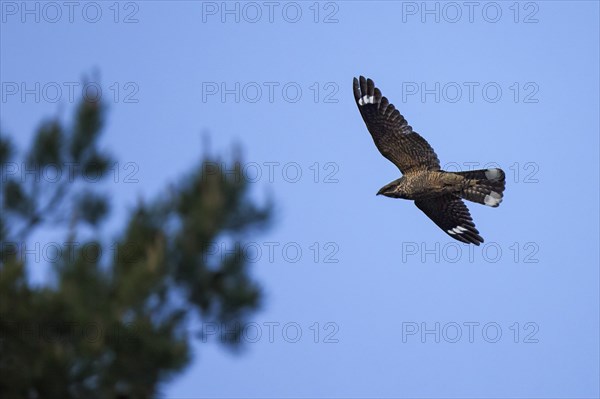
[(484, 186)]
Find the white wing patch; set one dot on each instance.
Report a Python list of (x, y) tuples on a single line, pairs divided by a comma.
[(457, 230), (366, 100)]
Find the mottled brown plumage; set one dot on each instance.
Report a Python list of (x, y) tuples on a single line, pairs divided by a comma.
[(436, 192)]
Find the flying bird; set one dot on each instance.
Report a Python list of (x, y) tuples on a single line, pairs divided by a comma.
[(439, 194)]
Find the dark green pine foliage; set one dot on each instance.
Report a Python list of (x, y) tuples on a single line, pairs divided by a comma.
[(114, 319)]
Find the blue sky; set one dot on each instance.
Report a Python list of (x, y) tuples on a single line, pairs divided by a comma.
[(507, 83)]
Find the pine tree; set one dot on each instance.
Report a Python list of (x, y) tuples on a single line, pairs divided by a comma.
[(114, 318)]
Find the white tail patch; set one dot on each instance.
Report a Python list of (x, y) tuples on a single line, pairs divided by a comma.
[(493, 198), (493, 174), (366, 100)]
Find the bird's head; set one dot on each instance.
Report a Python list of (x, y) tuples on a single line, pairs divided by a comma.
[(391, 189)]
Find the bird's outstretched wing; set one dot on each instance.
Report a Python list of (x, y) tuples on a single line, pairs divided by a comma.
[(393, 136), (451, 214)]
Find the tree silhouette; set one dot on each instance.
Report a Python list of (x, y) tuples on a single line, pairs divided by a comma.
[(113, 320)]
